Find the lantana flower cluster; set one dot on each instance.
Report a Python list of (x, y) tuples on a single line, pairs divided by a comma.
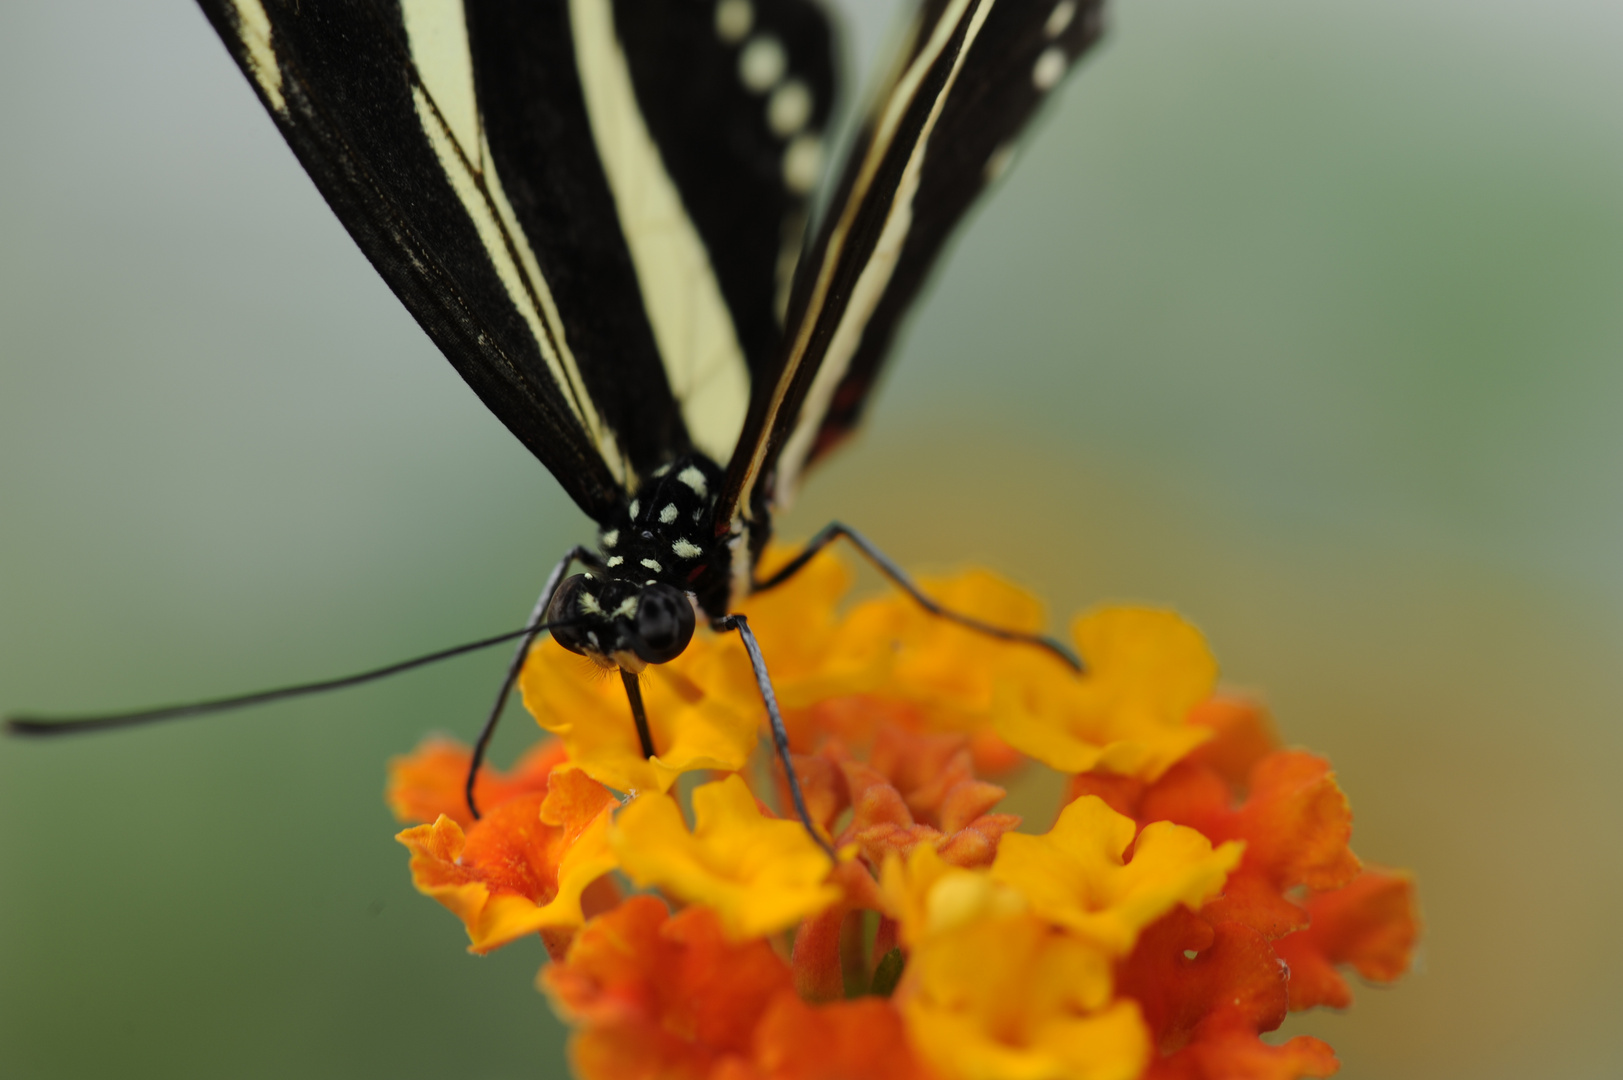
[(1194, 887)]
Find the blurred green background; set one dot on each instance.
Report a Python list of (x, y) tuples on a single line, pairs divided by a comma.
[(1302, 317)]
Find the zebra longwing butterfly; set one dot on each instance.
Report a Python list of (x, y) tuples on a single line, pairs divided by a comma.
[(601, 212)]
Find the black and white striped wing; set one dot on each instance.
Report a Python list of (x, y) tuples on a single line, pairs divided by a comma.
[(584, 203), (972, 75)]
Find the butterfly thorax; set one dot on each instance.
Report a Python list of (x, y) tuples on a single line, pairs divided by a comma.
[(661, 560)]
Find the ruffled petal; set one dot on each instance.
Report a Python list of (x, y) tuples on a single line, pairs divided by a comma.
[(1370, 925), (429, 781), (759, 874), (523, 867), (1077, 876)]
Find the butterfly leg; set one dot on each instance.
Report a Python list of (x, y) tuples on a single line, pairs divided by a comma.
[(780, 737), (587, 557), (882, 562)]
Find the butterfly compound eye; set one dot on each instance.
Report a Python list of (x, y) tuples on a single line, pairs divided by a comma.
[(567, 605), (664, 623)]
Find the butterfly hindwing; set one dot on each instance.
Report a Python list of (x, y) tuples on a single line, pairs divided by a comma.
[(521, 173), (972, 75)]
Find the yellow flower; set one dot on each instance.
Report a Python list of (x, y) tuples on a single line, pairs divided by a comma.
[(1075, 875), (952, 673), (927, 895), (1009, 997), (994, 992), (1129, 713), (759, 874), (692, 729)]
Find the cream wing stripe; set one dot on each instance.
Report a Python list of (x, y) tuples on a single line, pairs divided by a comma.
[(896, 105), (255, 27), (438, 32), (692, 325), (443, 61)]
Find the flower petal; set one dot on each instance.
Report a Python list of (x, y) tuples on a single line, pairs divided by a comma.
[(1006, 996), (1369, 925), (1076, 876), (660, 996), (1129, 712), (692, 726), (521, 868), (429, 781), (1185, 969), (759, 874)]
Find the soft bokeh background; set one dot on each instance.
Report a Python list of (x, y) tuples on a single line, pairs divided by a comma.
[(1302, 317)]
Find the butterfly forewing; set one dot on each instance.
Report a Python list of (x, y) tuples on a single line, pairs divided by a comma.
[(584, 202), (597, 207)]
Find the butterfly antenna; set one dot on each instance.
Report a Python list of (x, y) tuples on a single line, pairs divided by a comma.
[(74, 725)]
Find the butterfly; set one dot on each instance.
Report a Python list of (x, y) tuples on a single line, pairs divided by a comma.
[(605, 214)]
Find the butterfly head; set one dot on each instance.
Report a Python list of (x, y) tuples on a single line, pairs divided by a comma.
[(620, 623)]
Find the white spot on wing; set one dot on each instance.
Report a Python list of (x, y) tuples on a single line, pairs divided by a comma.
[(734, 19), (667, 513), (789, 108), (1049, 68), (762, 63), (693, 478), (692, 325), (685, 550), (255, 27), (611, 538), (615, 560), (1060, 18), (653, 564), (999, 162), (803, 163)]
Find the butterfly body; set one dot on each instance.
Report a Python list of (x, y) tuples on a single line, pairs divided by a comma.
[(662, 559)]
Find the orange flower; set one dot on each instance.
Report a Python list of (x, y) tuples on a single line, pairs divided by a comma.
[(1226, 1048), (1294, 818), (1184, 969), (915, 788), (1370, 926), (523, 867), (1196, 885), (1296, 824), (654, 995), (429, 781), (843, 1040)]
